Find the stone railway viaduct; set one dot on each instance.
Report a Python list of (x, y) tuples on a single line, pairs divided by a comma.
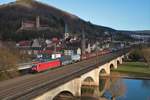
[(73, 87)]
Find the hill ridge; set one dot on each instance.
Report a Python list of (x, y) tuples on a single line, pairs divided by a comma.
[(55, 17)]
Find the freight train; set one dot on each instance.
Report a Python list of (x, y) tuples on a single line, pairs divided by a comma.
[(49, 64), (94, 54)]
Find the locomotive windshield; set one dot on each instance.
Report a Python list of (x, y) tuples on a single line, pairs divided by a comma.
[(33, 66)]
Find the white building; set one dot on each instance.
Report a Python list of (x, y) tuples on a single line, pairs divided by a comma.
[(36, 43), (142, 37), (79, 51)]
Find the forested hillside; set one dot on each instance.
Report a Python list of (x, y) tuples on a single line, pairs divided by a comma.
[(12, 14)]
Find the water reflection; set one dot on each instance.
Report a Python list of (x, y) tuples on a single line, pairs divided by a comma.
[(118, 89), (146, 84)]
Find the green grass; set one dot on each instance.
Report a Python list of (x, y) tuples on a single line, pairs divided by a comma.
[(136, 68)]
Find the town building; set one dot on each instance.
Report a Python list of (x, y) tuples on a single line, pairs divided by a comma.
[(141, 37)]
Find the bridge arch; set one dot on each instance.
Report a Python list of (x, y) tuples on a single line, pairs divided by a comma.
[(63, 95), (118, 62), (102, 72), (112, 66), (88, 79), (87, 86)]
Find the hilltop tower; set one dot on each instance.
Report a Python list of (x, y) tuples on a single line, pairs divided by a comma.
[(37, 22), (66, 28), (66, 35), (83, 42)]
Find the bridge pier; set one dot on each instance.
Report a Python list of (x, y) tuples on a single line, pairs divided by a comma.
[(77, 87)]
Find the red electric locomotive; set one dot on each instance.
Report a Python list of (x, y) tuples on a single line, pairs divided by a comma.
[(42, 66)]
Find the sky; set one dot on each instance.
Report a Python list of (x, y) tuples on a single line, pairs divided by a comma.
[(117, 14)]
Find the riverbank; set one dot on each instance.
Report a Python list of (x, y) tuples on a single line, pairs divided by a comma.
[(137, 70)]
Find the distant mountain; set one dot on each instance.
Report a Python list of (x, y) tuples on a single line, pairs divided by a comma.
[(12, 15), (140, 32), (144, 32)]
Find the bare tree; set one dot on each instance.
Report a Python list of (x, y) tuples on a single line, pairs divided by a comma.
[(8, 64), (10, 46), (146, 55), (117, 88)]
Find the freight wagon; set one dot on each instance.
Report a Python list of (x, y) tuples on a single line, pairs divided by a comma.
[(94, 54)]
